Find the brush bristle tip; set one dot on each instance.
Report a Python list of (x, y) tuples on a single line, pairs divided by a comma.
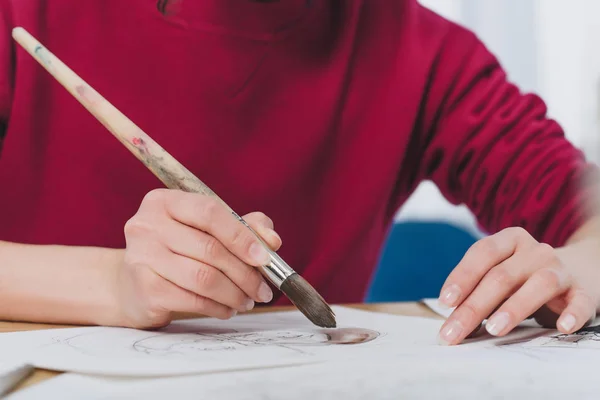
[(309, 301)]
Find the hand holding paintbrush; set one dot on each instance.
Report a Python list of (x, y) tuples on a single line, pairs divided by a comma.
[(175, 176)]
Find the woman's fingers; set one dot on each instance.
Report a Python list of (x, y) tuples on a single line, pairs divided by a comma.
[(510, 277), (263, 225), (210, 216), (479, 259), (580, 310), (543, 286), (495, 287), (152, 300), (199, 246), (178, 299), (199, 278)]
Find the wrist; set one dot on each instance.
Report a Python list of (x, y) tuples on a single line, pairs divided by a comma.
[(108, 311)]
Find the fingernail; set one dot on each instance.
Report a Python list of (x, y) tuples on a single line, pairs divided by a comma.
[(450, 332), (259, 254), (497, 323), (249, 304), (449, 296), (265, 294), (233, 313), (568, 322)]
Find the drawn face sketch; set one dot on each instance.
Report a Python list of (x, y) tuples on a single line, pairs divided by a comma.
[(184, 343), (266, 338), (228, 341), (299, 338)]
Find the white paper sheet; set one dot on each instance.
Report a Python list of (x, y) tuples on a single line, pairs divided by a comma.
[(434, 305), (203, 345), (378, 380), (263, 341)]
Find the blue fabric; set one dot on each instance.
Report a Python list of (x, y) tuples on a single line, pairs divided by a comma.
[(416, 260)]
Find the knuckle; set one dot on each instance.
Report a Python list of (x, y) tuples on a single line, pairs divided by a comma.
[(237, 236), (204, 277), (207, 207), (546, 254), (501, 276), (155, 196), (258, 216), (241, 239), (211, 248), (550, 278), (519, 232), (486, 247), (262, 218), (137, 226)]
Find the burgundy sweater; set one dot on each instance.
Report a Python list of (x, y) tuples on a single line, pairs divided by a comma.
[(323, 114)]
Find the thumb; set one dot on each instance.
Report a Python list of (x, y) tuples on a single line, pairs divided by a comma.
[(263, 225)]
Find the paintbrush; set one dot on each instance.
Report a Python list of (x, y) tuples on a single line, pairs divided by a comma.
[(173, 174)]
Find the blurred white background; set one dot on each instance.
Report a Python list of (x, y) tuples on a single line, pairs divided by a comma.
[(549, 47)]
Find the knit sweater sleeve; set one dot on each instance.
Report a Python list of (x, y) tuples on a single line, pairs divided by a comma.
[(489, 146)]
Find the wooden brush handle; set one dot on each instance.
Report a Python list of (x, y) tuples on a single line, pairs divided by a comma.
[(170, 171)]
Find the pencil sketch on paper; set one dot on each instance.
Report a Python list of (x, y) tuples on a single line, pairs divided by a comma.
[(296, 341), (191, 343), (587, 338)]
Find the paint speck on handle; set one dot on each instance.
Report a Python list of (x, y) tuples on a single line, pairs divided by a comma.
[(86, 94), (41, 52), (140, 144), (80, 90)]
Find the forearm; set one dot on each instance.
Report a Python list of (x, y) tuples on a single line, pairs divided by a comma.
[(58, 284)]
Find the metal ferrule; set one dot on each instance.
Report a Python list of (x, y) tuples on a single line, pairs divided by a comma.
[(277, 270)]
